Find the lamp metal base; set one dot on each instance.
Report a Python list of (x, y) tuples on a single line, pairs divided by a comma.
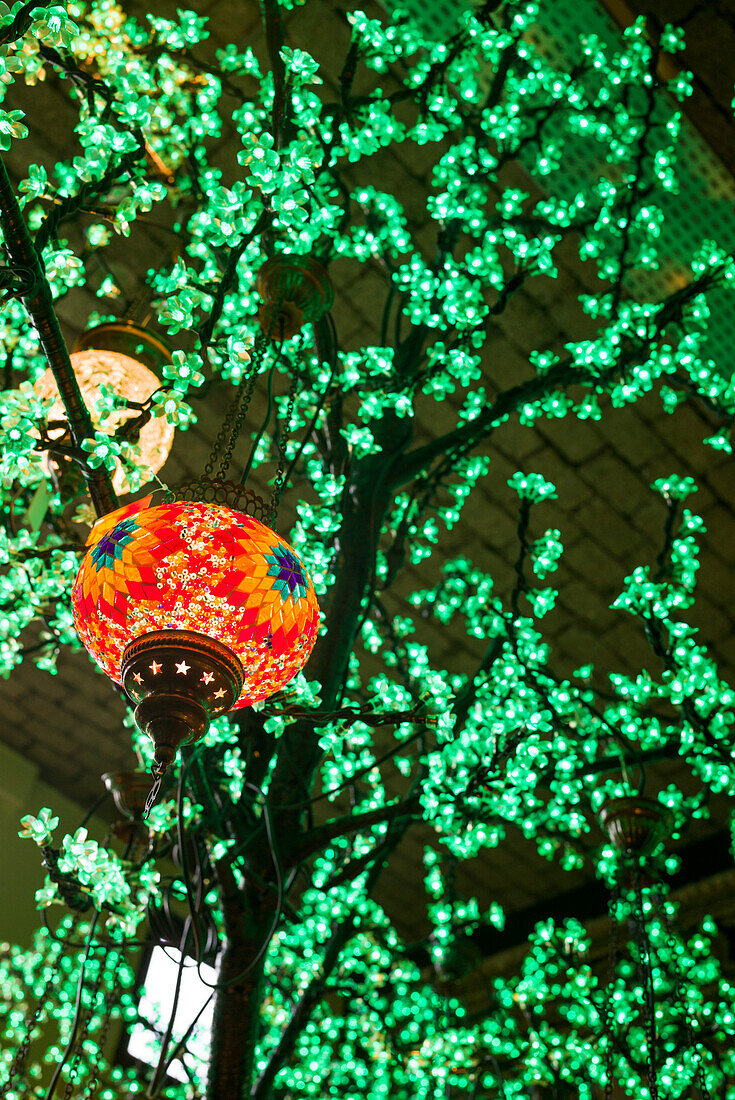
[(180, 680)]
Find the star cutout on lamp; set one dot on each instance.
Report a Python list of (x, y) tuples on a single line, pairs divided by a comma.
[(155, 668), (138, 678), (219, 694), (207, 677), (182, 668)]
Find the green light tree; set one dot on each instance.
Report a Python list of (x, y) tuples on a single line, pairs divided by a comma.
[(317, 995)]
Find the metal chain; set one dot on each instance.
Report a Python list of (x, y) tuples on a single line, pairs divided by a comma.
[(157, 771), (84, 1030), (221, 453), (607, 1005), (693, 1042), (228, 434), (280, 440), (644, 953), (93, 1083), (21, 1053)]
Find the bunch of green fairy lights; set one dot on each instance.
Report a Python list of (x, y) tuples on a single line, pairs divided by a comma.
[(508, 744)]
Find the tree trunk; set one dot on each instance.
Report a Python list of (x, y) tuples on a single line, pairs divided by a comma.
[(235, 1022), (247, 918), (240, 979)]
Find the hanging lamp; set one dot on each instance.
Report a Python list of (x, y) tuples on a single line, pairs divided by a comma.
[(634, 824), (195, 609), (119, 354), (129, 790), (295, 290), (195, 606)]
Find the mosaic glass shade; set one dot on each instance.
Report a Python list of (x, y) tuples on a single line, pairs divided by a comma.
[(198, 567), (94, 368)]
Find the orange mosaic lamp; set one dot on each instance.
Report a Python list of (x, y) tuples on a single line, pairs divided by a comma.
[(196, 609)]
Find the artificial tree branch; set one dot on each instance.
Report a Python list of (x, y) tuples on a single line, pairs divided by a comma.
[(344, 931), (364, 506), (308, 1000), (419, 733), (239, 978), (20, 24), (321, 835), (466, 697), (40, 306), (200, 66), (228, 277), (362, 714), (460, 441), (274, 36), (634, 187)]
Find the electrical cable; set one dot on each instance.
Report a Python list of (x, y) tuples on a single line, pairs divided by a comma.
[(77, 1010), (266, 336), (90, 813), (320, 405), (331, 790), (180, 1045), (103, 943), (279, 903), (193, 919), (193, 908), (162, 1067), (159, 1071)]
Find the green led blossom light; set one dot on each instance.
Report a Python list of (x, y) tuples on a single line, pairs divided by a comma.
[(432, 179)]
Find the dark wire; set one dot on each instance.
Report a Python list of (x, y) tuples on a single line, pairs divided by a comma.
[(159, 1074), (168, 947), (192, 921), (317, 413), (386, 312), (279, 903), (77, 946), (161, 1071), (305, 803), (322, 329), (193, 909), (269, 410), (77, 1010), (181, 1044), (335, 338), (95, 808), (191, 901)]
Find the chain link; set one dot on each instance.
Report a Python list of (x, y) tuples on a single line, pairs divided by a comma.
[(16, 1066), (93, 1083), (646, 962), (84, 1031), (280, 439), (157, 771), (692, 1041), (221, 454), (228, 434), (21, 1053), (607, 1005)]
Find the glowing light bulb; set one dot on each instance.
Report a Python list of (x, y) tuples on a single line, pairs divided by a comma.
[(130, 379)]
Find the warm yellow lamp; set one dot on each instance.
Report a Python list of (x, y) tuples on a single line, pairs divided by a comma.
[(118, 354)]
